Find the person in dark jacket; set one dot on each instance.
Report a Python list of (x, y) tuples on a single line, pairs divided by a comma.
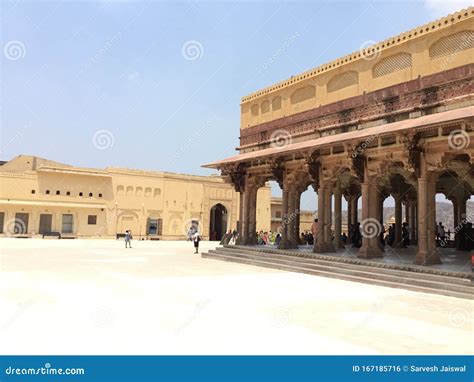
[(196, 240)]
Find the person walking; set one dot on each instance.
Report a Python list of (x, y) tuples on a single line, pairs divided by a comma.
[(128, 239), (196, 240)]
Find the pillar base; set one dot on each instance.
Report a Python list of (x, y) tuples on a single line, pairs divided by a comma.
[(369, 253), (324, 248), (427, 258), (284, 244)]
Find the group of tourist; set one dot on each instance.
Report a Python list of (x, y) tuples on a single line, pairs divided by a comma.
[(463, 236)]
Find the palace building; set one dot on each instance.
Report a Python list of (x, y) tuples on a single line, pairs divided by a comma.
[(396, 118), (40, 196)]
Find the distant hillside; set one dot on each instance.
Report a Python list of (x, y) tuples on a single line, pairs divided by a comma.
[(444, 213)]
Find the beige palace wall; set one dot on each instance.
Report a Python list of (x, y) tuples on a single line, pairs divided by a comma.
[(118, 198), (431, 48)]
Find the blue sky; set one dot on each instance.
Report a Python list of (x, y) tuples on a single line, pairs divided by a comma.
[(156, 85)]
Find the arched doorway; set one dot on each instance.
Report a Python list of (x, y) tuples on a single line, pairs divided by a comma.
[(218, 222)]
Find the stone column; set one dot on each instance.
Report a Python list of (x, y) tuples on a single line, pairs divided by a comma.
[(328, 220), (284, 218), (349, 210), (355, 210), (252, 216), (370, 226), (292, 215), (319, 244), (412, 222), (338, 219), (455, 212), (297, 215), (244, 217), (398, 221), (241, 215), (427, 253), (461, 213), (378, 206)]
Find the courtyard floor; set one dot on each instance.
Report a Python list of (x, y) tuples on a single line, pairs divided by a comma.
[(96, 297)]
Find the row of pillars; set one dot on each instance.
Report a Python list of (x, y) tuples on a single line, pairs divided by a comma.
[(419, 214)]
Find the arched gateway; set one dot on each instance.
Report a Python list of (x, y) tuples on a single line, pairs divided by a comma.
[(406, 132), (218, 222)]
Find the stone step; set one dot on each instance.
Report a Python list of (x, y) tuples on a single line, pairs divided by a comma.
[(352, 260), (435, 277), (350, 275), (374, 273)]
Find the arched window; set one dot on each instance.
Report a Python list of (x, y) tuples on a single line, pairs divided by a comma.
[(303, 94), (392, 64), (343, 80)]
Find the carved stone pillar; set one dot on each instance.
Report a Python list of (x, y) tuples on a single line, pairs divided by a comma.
[(319, 245), (244, 217), (398, 221), (323, 243), (455, 212), (252, 216), (350, 202), (292, 217), (284, 218), (355, 209), (370, 225), (412, 222), (427, 253), (338, 219), (297, 215), (328, 220), (461, 204)]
